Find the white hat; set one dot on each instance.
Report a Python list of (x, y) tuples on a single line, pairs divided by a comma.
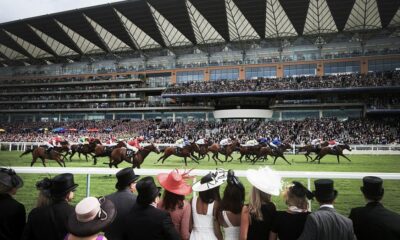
[(211, 180), (265, 180)]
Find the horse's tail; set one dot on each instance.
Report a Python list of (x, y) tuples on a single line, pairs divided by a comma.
[(29, 150)]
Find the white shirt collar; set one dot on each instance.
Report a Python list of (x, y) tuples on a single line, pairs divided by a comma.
[(327, 206)]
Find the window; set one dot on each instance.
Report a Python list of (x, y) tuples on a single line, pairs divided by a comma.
[(383, 65), (341, 67), (189, 76), (258, 72), (300, 70), (229, 74)]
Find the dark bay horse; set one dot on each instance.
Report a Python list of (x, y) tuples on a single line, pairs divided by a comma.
[(311, 149), (85, 149), (226, 151), (120, 154), (40, 152), (185, 152), (276, 153), (202, 151), (249, 152), (105, 151), (338, 151)]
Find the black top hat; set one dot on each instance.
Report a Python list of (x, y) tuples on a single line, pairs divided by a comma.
[(62, 184), (324, 191), (372, 187), (125, 177), (9, 178), (147, 190)]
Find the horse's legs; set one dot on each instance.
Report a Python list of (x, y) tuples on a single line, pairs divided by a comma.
[(58, 160), (72, 154), (307, 154), (94, 160), (193, 159), (345, 157), (275, 159), (165, 157), (338, 161), (41, 158), (282, 156), (33, 161)]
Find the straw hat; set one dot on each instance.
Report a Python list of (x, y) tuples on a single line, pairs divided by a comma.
[(91, 216), (175, 182), (211, 180), (265, 180)]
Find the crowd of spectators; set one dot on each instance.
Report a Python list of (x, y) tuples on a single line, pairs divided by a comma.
[(291, 83), (352, 131)]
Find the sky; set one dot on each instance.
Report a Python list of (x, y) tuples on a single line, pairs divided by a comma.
[(11, 10)]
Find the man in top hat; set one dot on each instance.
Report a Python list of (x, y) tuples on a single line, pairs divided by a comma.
[(326, 223), (12, 213), (50, 222), (123, 199), (145, 220), (374, 221)]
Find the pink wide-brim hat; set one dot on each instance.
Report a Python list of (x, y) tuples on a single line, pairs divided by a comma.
[(175, 182)]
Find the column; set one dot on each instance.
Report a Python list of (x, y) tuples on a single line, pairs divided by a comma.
[(207, 74), (9, 118), (279, 71), (142, 116), (173, 76), (173, 117), (206, 116), (320, 114), (364, 65), (280, 116), (242, 73), (113, 116), (59, 117)]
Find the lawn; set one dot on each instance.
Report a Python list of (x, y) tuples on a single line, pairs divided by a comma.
[(349, 193)]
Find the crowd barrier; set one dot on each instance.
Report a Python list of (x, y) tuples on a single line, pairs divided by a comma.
[(389, 149), (201, 172)]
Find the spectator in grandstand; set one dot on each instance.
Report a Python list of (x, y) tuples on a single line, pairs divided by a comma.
[(145, 220), (229, 213), (173, 201), (44, 198), (205, 206), (50, 222), (123, 200), (91, 216), (289, 224), (326, 223), (134, 145), (256, 217), (12, 212), (374, 221)]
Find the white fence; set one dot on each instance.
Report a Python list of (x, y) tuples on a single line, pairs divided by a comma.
[(356, 149)]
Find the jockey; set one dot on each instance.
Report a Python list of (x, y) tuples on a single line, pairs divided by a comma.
[(181, 143), (134, 145), (252, 142), (264, 141), (333, 143), (225, 142), (201, 141), (276, 143), (112, 141), (53, 142), (316, 143), (83, 140)]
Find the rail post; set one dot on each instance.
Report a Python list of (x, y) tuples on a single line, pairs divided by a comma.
[(88, 185)]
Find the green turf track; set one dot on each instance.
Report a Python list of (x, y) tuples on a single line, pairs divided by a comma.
[(349, 190)]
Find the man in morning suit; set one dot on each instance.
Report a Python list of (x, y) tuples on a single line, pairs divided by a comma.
[(145, 221), (123, 200), (326, 223), (374, 221)]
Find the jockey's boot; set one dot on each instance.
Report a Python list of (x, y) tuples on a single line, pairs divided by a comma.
[(48, 150), (178, 150), (129, 153)]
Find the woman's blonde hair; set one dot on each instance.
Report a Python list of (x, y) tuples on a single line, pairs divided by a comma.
[(256, 199), (292, 200)]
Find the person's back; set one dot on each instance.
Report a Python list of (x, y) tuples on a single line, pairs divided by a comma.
[(203, 224)]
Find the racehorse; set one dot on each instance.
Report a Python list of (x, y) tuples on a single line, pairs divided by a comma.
[(265, 151), (248, 152), (185, 152), (85, 149), (40, 152), (311, 148), (337, 151), (105, 151), (120, 154), (226, 151), (202, 151)]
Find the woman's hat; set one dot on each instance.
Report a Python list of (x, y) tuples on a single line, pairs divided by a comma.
[(175, 182), (91, 216), (324, 191), (147, 190), (62, 184), (300, 191), (211, 180), (125, 177), (233, 180), (372, 187), (9, 178), (265, 180)]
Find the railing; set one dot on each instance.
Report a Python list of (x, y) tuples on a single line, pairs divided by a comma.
[(389, 149), (201, 172)]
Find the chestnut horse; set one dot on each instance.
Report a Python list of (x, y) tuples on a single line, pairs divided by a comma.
[(311, 148), (185, 152), (331, 151), (105, 151), (120, 154), (276, 153), (85, 149), (226, 151), (249, 151), (40, 152)]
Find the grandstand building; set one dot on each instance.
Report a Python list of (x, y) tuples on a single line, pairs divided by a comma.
[(147, 60)]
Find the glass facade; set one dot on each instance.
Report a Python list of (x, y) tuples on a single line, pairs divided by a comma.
[(341, 67), (190, 76), (229, 74), (300, 70), (383, 65), (258, 72), (159, 79)]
